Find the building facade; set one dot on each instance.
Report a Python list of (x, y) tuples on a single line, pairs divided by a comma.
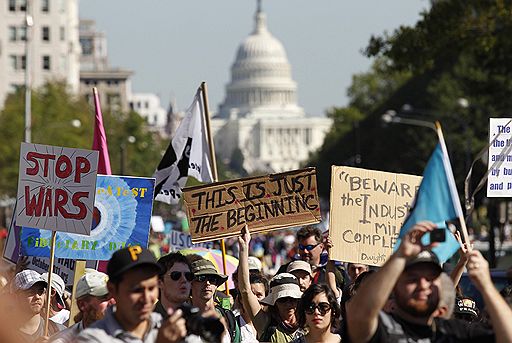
[(260, 116), (50, 35), (149, 107)]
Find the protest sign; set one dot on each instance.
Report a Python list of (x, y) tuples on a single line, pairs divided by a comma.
[(264, 203), (368, 209), (56, 188), (182, 240), (499, 182), (122, 213)]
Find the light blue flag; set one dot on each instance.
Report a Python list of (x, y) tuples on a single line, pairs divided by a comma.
[(436, 201)]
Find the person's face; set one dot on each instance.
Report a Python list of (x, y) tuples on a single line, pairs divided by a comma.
[(204, 287), (177, 290), (259, 290), (319, 313), (135, 295), (304, 279), (32, 300), (93, 308), (417, 290), (354, 269), (286, 307), (310, 250)]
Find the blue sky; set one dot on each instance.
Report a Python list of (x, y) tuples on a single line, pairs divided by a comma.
[(174, 45)]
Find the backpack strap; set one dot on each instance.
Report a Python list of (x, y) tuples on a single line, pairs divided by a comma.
[(232, 323)]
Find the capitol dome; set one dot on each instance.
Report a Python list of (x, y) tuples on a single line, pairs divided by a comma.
[(260, 77)]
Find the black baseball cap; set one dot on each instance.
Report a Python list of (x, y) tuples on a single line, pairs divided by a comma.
[(425, 256), (129, 258)]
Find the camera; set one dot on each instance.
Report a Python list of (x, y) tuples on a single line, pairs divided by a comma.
[(210, 329), (438, 235)]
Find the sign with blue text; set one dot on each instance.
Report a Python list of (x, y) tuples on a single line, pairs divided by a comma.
[(121, 217), (499, 182)]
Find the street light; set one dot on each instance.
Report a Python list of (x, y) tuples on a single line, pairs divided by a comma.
[(123, 152), (29, 22)]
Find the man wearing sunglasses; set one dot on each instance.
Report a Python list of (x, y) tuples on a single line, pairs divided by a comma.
[(204, 286), (29, 289), (175, 283)]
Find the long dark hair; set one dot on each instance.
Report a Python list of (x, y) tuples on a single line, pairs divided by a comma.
[(307, 299)]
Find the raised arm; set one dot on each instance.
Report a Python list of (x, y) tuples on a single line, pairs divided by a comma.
[(464, 251), (498, 309), (363, 309), (330, 269), (251, 304)]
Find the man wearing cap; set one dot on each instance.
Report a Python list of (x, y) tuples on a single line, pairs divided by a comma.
[(92, 299), (302, 271), (465, 309), (413, 275), (205, 283), (29, 289), (58, 312), (133, 283)]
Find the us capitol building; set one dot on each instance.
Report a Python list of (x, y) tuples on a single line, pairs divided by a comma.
[(260, 115)]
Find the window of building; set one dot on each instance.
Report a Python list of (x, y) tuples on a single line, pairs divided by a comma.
[(12, 33), (62, 33), (45, 33), (86, 44), (22, 33), (46, 62), (146, 104), (114, 101), (45, 6), (22, 5), (17, 62), (155, 119), (12, 5)]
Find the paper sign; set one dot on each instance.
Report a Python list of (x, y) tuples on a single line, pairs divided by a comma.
[(368, 209), (62, 266), (56, 188), (264, 203), (499, 182), (181, 240), (122, 214)]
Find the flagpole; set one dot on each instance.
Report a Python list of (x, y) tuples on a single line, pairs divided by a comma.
[(213, 164), (451, 180), (49, 286)]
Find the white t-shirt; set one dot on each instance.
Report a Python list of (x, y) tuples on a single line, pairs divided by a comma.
[(61, 317)]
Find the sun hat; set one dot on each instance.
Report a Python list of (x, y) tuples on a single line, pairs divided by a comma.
[(255, 263), (58, 285), (283, 285), (206, 267), (25, 280), (92, 283), (299, 265)]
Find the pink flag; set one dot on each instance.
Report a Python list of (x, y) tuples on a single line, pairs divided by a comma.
[(100, 138)]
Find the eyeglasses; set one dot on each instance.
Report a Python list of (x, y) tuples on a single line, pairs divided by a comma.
[(210, 278), (308, 247), (175, 276), (322, 307)]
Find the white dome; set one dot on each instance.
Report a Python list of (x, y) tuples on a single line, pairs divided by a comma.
[(260, 76)]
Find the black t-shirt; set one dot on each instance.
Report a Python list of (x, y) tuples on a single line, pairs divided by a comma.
[(394, 329)]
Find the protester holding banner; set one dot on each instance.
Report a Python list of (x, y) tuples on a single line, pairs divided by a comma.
[(413, 274), (58, 312), (318, 315), (92, 298), (174, 283), (278, 323), (29, 288)]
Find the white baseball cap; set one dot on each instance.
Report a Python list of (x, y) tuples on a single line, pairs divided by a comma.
[(92, 283)]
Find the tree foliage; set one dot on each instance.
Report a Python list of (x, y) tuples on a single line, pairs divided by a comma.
[(54, 111)]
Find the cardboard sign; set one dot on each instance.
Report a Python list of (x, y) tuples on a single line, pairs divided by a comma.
[(499, 182), (56, 188), (368, 209), (264, 203), (122, 214), (182, 240), (63, 266)]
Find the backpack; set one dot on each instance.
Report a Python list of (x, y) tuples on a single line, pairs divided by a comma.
[(233, 326)]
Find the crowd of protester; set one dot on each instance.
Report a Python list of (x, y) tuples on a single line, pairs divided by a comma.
[(305, 297)]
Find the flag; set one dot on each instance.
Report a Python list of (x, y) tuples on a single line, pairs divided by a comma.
[(187, 155), (437, 201), (99, 142)]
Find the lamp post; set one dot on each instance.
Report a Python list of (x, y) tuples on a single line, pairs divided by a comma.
[(123, 153), (29, 22)]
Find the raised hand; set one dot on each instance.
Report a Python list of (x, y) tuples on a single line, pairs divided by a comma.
[(411, 244)]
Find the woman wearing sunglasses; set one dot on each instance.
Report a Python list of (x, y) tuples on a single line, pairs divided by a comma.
[(278, 321), (318, 314)]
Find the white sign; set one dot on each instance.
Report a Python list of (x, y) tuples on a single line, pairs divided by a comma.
[(56, 188), (499, 182), (181, 240)]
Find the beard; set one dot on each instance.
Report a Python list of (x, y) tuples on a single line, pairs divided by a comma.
[(92, 315), (417, 308)]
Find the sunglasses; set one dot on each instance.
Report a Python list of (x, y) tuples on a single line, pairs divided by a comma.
[(175, 276), (322, 307), (210, 278), (308, 247)]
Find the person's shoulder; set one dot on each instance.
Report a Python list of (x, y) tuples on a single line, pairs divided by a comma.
[(465, 330), (67, 335), (93, 334)]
